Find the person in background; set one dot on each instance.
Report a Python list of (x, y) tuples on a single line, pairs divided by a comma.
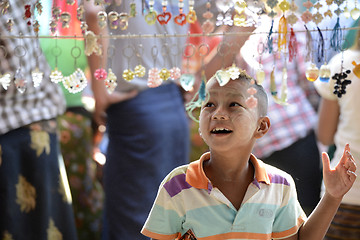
[(293, 121), (338, 125), (75, 125), (35, 199), (147, 126), (230, 194)]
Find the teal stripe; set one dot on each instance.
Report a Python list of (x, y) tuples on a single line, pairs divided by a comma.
[(167, 220), (285, 216)]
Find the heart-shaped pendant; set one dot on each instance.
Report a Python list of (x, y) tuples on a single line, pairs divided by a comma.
[(222, 77), (164, 18), (191, 16), (150, 18), (180, 19), (187, 81)]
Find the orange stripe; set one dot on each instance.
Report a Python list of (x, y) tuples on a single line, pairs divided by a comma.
[(290, 231), (237, 235), (159, 236)]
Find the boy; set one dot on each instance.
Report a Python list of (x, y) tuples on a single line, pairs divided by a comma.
[(228, 193)]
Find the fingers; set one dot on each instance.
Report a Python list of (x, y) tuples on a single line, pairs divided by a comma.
[(326, 161)]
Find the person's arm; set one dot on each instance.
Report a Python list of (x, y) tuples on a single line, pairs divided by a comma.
[(338, 181), (328, 120), (102, 98)]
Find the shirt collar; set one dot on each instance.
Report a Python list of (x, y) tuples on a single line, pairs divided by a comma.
[(196, 177)]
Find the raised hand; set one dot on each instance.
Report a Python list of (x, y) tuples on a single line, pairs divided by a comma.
[(339, 180)]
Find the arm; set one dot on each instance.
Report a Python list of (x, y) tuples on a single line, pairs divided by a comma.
[(102, 98), (328, 120), (338, 181)]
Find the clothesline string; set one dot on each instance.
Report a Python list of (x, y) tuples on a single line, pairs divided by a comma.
[(132, 36)]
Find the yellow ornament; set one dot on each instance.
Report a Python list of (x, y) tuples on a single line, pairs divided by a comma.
[(128, 75), (139, 71), (312, 72), (164, 74)]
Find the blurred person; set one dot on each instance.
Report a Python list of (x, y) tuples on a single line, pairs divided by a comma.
[(147, 127), (292, 133), (76, 124), (338, 123), (35, 199)]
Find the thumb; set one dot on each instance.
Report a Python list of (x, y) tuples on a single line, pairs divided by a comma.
[(326, 162)]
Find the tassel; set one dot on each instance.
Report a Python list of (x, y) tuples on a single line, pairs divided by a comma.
[(320, 49), (200, 95), (273, 90), (269, 38), (292, 45), (336, 36), (284, 90), (282, 34), (308, 45)]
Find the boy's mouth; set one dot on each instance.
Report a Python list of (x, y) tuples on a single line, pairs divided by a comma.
[(220, 130)]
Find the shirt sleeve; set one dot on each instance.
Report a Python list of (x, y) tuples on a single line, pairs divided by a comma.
[(165, 218), (290, 216)]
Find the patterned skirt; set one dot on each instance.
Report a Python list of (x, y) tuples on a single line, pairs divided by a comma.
[(346, 223)]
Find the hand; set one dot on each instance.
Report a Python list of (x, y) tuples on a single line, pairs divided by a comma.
[(103, 102), (338, 181)]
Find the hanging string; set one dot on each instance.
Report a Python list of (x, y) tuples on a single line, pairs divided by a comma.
[(270, 39), (292, 45), (336, 36), (320, 48), (198, 98), (308, 45)]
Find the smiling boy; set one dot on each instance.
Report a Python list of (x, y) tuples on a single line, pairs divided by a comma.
[(229, 193)]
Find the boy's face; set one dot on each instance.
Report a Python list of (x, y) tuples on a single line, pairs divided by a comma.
[(225, 119)]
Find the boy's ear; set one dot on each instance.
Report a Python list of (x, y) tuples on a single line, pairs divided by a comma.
[(263, 127)]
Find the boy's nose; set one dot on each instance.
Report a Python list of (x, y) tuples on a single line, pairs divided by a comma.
[(220, 115)]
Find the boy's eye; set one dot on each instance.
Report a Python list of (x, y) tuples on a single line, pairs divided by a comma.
[(235, 104), (209, 104)]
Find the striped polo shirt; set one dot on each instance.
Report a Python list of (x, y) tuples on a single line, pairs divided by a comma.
[(187, 200)]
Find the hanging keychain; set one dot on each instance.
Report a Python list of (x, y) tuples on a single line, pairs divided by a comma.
[(355, 13), (150, 17), (222, 76), (208, 26), (240, 16), (128, 53), (154, 79), (139, 69), (36, 74), (340, 78), (282, 35), (164, 73), (324, 72), (165, 16), (292, 19), (111, 79), (20, 81), (100, 74), (56, 75), (260, 73), (187, 79), (200, 95), (181, 18), (77, 81), (224, 17), (175, 72), (5, 78), (191, 16)]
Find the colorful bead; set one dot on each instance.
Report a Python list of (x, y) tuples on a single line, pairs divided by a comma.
[(100, 74)]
